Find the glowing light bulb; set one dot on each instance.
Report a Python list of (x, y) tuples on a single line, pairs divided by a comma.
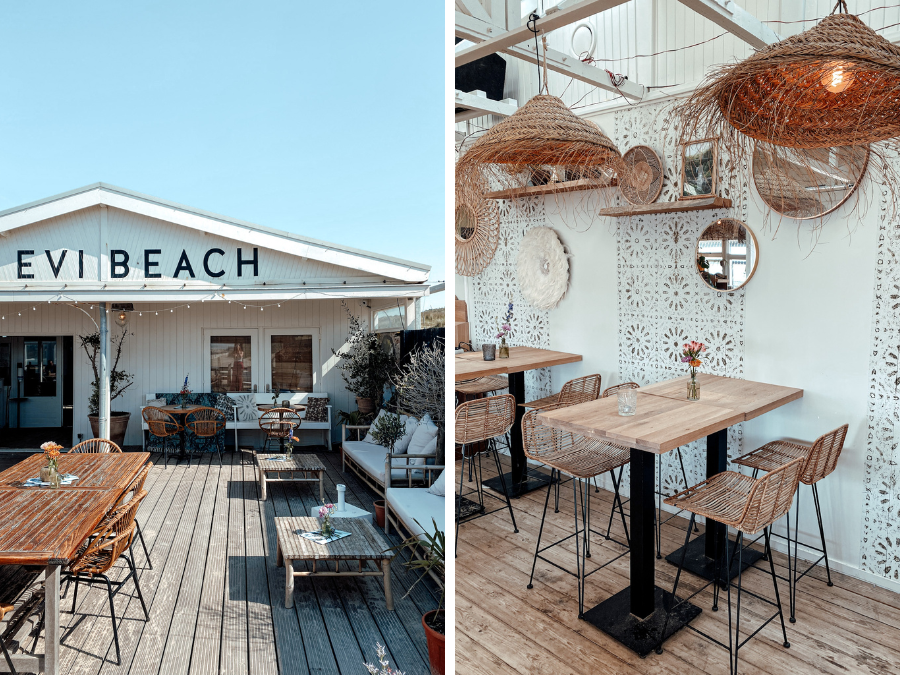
[(838, 77)]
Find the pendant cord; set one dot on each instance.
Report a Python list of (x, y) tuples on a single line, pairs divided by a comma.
[(840, 6), (532, 26)]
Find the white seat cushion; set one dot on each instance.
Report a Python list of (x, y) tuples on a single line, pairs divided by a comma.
[(438, 487), (369, 438), (412, 504), (370, 458), (424, 441)]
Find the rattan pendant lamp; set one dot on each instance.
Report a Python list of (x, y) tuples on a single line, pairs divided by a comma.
[(836, 84)]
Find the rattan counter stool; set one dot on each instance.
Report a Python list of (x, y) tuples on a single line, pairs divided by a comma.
[(573, 392), (480, 420), (581, 459), (820, 460), (748, 505), (96, 445)]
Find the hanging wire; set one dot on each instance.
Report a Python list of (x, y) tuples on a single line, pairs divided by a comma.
[(532, 26)]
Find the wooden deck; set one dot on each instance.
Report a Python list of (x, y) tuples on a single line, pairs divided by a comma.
[(502, 627), (216, 598)]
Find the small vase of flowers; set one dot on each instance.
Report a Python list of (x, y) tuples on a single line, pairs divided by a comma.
[(50, 473), (503, 329), (185, 391), (326, 527), (690, 354)]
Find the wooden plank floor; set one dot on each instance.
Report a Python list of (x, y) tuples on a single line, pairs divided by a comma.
[(503, 627), (216, 598)]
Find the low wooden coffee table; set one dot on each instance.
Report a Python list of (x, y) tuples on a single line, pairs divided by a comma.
[(347, 557), (304, 468)]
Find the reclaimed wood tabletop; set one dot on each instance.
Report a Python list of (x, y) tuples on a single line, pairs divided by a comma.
[(364, 543), (472, 364), (94, 469)]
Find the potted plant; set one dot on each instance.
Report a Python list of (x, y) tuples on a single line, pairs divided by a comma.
[(365, 364), (421, 388), (119, 381), (430, 560), (388, 429)]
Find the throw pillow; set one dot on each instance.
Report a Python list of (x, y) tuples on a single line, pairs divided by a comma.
[(156, 402), (425, 435), (245, 407), (369, 438), (429, 449), (401, 446), (226, 405), (316, 410), (437, 487)]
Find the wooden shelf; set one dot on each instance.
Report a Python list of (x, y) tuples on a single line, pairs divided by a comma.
[(682, 206), (550, 189)]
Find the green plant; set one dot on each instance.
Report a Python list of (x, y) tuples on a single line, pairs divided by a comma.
[(430, 561), (421, 388), (354, 417), (119, 380), (366, 364), (388, 429)]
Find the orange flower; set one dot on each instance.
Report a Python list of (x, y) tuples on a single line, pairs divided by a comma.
[(695, 363), (295, 439)]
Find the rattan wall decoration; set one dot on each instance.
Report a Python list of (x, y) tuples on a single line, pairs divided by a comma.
[(645, 175), (477, 233), (543, 133), (543, 268)]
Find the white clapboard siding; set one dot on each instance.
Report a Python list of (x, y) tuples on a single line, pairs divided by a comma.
[(164, 348)]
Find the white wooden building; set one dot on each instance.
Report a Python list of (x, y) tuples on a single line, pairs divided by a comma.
[(196, 284)]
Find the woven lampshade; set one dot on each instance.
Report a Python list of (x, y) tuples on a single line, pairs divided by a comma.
[(542, 133), (835, 84)]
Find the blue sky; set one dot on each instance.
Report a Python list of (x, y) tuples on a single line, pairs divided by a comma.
[(320, 118)]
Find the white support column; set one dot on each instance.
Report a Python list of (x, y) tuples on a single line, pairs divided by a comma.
[(104, 371)]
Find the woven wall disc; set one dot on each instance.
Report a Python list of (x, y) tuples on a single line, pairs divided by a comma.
[(644, 176), (477, 234), (542, 268)]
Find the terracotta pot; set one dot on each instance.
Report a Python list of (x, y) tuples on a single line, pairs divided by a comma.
[(435, 644), (365, 405), (118, 425), (379, 512)]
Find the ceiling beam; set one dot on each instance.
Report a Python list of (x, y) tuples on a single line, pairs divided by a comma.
[(501, 40), (474, 9), (734, 19), (478, 31), (476, 104)]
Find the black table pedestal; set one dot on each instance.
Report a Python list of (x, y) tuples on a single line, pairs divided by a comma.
[(533, 480)]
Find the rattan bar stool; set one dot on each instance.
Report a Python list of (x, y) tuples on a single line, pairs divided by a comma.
[(96, 445), (581, 459), (748, 505), (480, 420), (573, 392), (820, 460)]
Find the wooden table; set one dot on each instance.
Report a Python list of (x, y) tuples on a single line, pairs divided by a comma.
[(665, 420), (177, 411), (365, 545), (309, 467), (46, 526), (94, 469), (470, 365)]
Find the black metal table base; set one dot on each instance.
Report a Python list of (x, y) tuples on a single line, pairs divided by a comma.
[(696, 561), (535, 480), (614, 617), (467, 508)]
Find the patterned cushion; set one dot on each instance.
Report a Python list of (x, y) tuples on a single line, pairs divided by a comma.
[(226, 405), (245, 407), (316, 410), (156, 402)]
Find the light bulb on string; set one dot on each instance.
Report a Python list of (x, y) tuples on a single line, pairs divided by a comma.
[(838, 76)]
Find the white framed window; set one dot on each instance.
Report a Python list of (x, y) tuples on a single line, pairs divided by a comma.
[(231, 359), (291, 359)]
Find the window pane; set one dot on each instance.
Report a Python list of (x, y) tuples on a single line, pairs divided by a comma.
[(715, 265), (738, 272), (231, 363), (292, 366), (5, 364), (710, 246), (48, 368), (40, 368), (389, 319), (736, 247)]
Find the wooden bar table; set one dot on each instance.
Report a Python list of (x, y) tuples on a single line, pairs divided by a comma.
[(46, 526), (470, 365), (664, 420)]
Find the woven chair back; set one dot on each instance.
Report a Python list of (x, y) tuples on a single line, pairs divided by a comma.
[(485, 418), (160, 423), (205, 421), (615, 389), (579, 390), (771, 497), (278, 422), (111, 540), (544, 443), (136, 486), (823, 456), (96, 445)]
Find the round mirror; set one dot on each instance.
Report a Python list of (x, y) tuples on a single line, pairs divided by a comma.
[(806, 183), (727, 254)]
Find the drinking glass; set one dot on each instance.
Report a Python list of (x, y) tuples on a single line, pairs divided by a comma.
[(627, 402)]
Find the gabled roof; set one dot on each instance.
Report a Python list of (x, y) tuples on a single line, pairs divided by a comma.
[(205, 221)]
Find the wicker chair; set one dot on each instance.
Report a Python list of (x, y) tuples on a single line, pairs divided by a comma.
[(206, 427), (164, 426), (135, 488), (96, 445), (820, 460), (573, 392), (278, 424), (478, 422), (748, 505), (97, 556), (581, 459)]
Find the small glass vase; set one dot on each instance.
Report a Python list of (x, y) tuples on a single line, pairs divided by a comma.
[(326, 529), (504, 349), (49, 474), (183, 406), (488, 352), (693, 389)]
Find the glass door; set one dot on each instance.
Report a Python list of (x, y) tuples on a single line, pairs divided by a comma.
[(231, 360), (292, 359), (41, 386)]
